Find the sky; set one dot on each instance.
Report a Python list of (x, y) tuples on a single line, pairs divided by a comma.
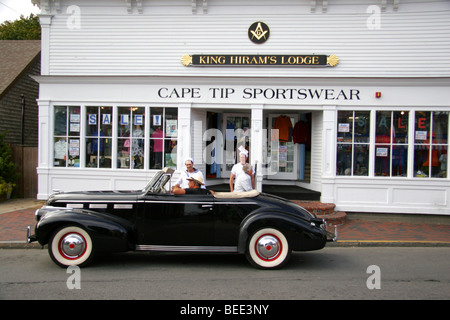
[(12, 9)]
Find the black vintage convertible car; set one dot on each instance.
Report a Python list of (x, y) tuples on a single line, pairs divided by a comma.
[(265, 228)]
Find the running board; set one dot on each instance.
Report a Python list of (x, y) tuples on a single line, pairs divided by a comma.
[(186, 248)]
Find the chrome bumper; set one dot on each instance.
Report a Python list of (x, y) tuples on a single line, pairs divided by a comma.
[(331, 237), (30, 238)]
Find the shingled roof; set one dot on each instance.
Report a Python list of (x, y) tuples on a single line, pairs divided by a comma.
[(15, 57)]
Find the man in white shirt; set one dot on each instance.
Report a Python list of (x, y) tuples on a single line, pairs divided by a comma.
[(244, 180), (183, 181), (236, 171)]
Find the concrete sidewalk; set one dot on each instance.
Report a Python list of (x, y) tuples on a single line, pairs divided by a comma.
[(362, 229)]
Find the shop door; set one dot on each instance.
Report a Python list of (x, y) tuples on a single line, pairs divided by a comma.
[(236, 131), (282, 152)]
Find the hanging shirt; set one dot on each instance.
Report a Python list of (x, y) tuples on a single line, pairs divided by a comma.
[(284, 125), (301, 133)]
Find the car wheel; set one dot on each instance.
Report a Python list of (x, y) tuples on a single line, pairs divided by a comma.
[(71, 246), (268, 248)]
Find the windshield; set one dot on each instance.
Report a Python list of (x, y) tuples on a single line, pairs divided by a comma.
[(159, 180)]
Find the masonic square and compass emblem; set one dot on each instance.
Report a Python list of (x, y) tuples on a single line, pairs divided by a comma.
[(258, 32)]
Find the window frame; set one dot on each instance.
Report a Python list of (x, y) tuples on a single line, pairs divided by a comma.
[(84, 135)]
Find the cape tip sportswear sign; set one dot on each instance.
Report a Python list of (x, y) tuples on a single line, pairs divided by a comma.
[(209, 60)]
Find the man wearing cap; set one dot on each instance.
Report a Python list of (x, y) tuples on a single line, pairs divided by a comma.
[(195, 183), (183, 182), (237, 170)]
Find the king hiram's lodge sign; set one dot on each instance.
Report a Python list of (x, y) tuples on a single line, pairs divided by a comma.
[(307, 60)]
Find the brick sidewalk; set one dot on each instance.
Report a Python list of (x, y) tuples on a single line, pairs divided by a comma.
[(366, 230), (13, 225)]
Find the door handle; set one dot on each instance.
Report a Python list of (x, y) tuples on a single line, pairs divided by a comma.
[(207, 205)]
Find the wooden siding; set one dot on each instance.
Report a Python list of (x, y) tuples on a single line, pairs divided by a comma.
[(412, 41), (26, 161)]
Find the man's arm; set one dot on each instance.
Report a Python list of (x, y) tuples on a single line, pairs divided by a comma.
[(177, 190), (231, 181)]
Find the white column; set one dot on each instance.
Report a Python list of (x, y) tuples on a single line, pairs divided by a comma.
[(329, 154), (45, 148), (184, 134), (257, 144), (45, 20)]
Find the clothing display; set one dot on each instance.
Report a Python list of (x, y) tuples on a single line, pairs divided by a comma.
[(302, 133), (284, 126)]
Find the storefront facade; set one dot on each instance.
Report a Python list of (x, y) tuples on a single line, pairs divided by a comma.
[(129, 87)]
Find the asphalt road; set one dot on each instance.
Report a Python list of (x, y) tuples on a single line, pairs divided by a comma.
[(332, 273)]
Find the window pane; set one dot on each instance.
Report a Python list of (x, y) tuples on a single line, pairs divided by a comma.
[(98, 137), (440, 127), (171, 121), (399, 161), (105, 153), (344, 159), (123, 153), (106, 121), (60, 152), (124, 115), (383, 127), (442, 159), (382, 160), (422, 127), (345, 126), (170, 154), (401, 126), (66, 136), (421, 161), (362, 126), (361, 160), (60, 121), (92, 121)]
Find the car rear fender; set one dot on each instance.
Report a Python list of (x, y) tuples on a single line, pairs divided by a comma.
[(109, 233)]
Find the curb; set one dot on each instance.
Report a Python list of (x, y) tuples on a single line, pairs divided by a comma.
[(387, 243), (19, 245)]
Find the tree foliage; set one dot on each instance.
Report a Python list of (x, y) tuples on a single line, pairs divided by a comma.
[(21, 29), (8, 169)]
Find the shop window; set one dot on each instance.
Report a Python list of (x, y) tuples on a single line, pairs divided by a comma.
[(353, 138), (130, 137), (163, 137), (391, 143), (66, 136), (431, 144), (99, 137)]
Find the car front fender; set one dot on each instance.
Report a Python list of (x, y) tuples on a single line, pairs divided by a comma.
[(109, 233)]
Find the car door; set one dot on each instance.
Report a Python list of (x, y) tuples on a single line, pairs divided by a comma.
[(177, 220)]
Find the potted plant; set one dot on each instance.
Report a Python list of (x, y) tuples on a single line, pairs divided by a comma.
[(8, 169)]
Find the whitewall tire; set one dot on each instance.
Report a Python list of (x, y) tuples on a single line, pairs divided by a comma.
[(71, 246), (268, 248)]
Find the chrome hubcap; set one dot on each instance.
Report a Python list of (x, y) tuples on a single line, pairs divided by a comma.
[(268, 247), (73, 245)]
